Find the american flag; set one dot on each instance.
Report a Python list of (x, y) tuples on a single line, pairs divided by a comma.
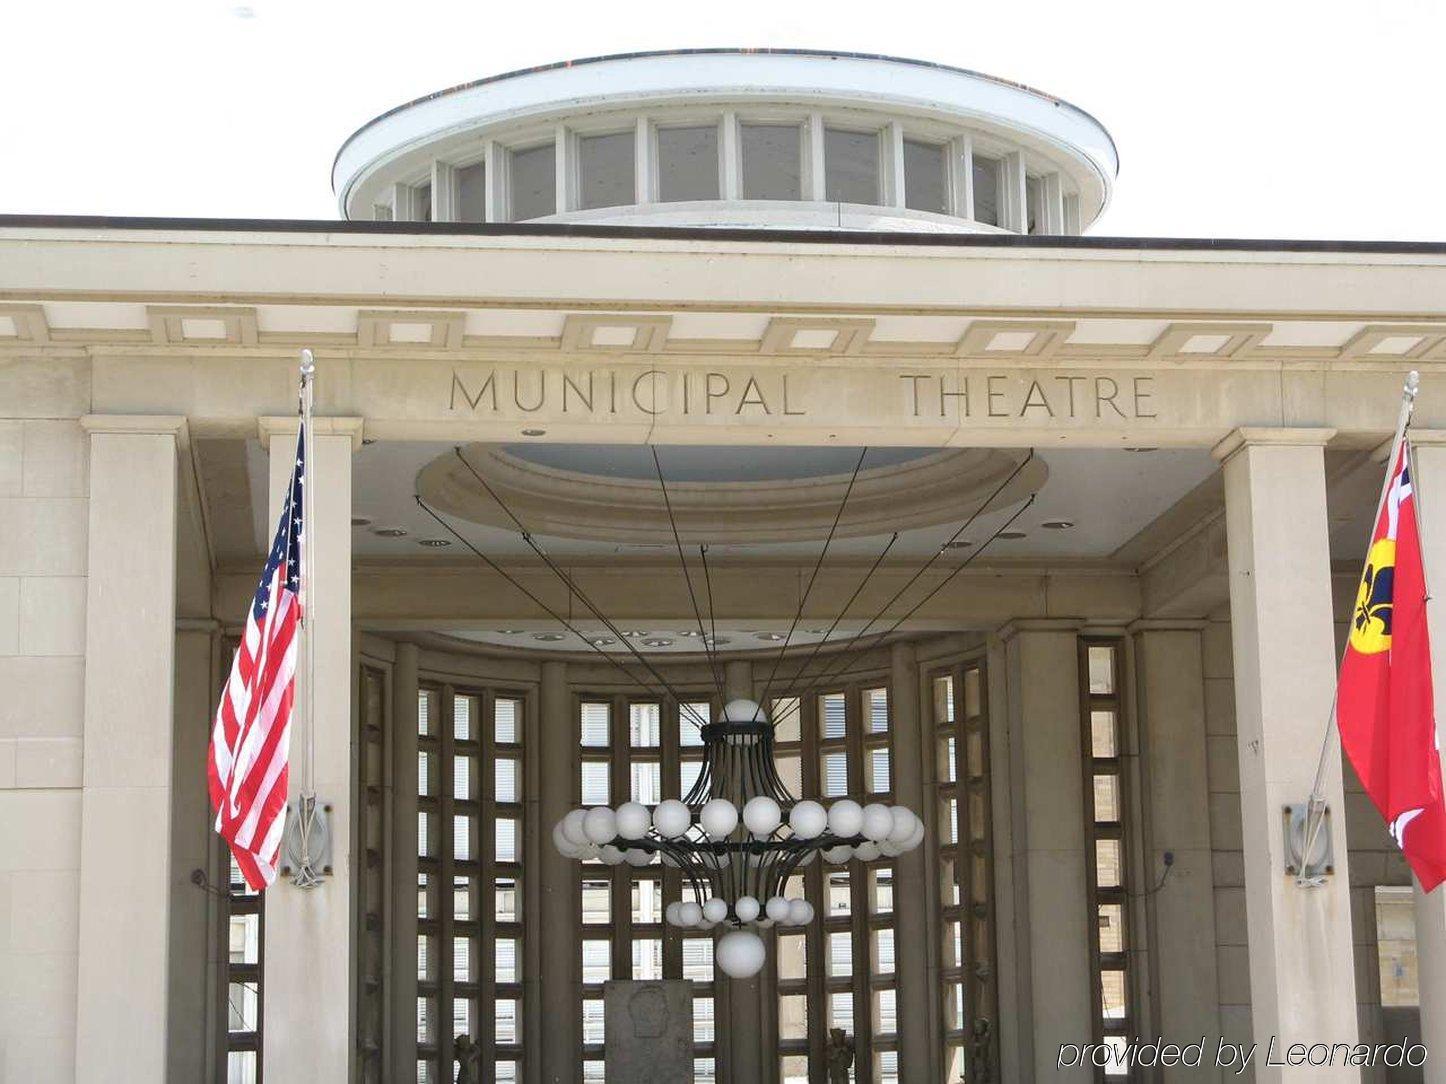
[(251, 736)]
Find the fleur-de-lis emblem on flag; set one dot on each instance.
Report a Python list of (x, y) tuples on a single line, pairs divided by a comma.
[(1371, 624)]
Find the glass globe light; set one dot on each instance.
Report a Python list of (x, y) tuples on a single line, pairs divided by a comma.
[(561, 842), (610, 855), (807, 819), (670, 913), (800, 912), (600, 825), (837, 856), (715, 910), (632, 820), (904, 821), (572, 827), (637, 857), (739, 954), (689, 913), (761, 815), (747, 909), (867, 852), (672, 819), (743, 711), (719, 817), (845, 818), (777, 909), (878, 822)]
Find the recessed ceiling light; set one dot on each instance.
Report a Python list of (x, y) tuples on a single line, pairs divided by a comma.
[(657, 641), (1010, 536), (534, 432), (714, 641), (1058, 524), (633, 634), (602, 641), (361, 521), (390, 532), (433, 543), (774, 636), (511, 632), (690, 633), (547, 637)]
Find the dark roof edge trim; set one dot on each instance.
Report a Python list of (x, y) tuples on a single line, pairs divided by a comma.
[(709, 233)]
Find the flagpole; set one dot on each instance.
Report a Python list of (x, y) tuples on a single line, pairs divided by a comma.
[(1316, 804)]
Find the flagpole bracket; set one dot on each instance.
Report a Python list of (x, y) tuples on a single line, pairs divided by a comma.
[(306, 842), (1307, 827)]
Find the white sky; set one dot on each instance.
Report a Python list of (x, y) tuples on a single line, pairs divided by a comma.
[(1270, 118)]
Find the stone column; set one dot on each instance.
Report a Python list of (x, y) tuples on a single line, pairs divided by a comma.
[(1302, 976), (911, 887), (1175, 804), (402, 935), (557, 920), (747, 1002), (1047, 816), (1429, 482), (307, 993), (130, 639)]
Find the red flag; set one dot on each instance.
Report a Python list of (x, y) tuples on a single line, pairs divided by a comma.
[(1384, 701)]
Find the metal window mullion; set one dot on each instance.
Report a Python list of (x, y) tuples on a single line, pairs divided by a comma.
[(446, 847), (854, 752), (670, 767), (484, 893), (620, 791), (816, 1001)]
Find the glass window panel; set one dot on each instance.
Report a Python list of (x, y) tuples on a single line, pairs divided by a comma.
[(698, 959), (986, 190), (507, 840), (688, 772), (508, 900), (462, 899), (1112, 928), (461, 960), (925, 179), (1034, 205), (647, 781), (692, 717), (952, 944), (949, 820), (835, 775), (1117, 1064), (1108, 869), (533, 182), (1396, 946), (790, 770), (703, 1020), (426, 1019), (647, 958), (596, 962), (883, 951), (703, 1071), (426, 785), (597, 899), (592, 1024), (507, 718), (1112, 994), (472, 193), (425, 713), (876, 771), (886, 1020), (1104, 734), (462, 838), (838, 893), (973, 694), (462, 709), (426, 845), (792, 956), (595, 782), (687, 163), (832, 716), (647, 901), (948, 883), (1107, 799), (606, 170), (506, 955), (793, 1069), (462, 775), (881, 890), (644, 725), (771, 161), (886, 1067), (461, 1017), (596, 720), (786, 716), (954, 1006), (424, 897), (876, 710), (241, 1066), (508, 780), (242, 999), (245, 941), (851, 166), (593, 1072), (839, 954), (506, 1070), (943, 700), (793, 1017), (1102, 668), (946, 760), (841, 1010)]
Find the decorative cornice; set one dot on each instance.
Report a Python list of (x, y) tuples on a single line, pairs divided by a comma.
[(139, 424), (1275, 437), (269, 426), (1011, 629)]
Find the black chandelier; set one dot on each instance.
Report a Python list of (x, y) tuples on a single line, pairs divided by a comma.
[(738, 835)]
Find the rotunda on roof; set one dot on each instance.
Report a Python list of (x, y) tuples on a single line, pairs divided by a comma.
[(785, 139)]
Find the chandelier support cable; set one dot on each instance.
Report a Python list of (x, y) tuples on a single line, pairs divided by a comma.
[(813, 576), (564, 622)]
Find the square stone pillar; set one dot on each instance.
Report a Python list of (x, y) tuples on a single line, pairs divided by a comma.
[(1175, 806), (1302, 976), (1047, 813), (307, 979), (130, 641), (1429, 483)]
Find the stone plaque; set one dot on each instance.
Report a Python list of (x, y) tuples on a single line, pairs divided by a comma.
[(648, 1031)]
